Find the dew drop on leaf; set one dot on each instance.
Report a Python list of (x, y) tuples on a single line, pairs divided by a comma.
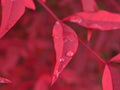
[(62, 59), (69, 54), (100, 20), (57, 22), (76, 20)]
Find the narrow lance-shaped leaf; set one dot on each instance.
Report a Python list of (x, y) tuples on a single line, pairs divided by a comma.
[(115, 58), (101, 20), (66, 44), (4, 80), (107, 79)]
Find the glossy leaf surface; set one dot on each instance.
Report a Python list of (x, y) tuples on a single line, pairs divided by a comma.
[(66, 44), (12, 10), (115, 58), (100, 20)]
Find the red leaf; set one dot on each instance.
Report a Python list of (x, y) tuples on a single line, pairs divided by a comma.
[(115, 77), (115, 58), (107, 79), (4, 80), (89, 5), (66, 44), (30, 4), (89, 35), (101, 20), (12, 10)]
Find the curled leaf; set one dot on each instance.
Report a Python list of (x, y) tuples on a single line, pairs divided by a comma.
[(66, 44), (101, 20)]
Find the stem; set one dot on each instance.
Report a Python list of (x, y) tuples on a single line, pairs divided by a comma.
[(93, 52), (50, 11)]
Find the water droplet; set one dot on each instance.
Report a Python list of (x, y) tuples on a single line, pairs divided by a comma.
[(76, 20), (96, 26), (57, 22), (67, 39), (70, 54), (62, 59)]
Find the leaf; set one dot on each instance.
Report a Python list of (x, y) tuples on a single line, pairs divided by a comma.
[(66, 44), (92, 7), (115, 58), (107, 79), (29, 4), (12, 10), (89, 5), (4, 80), (89, 35), (101, 20), (115, 77)]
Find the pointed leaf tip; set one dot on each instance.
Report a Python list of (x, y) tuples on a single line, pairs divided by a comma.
[(30, 4), (107, 79), (115, 58), (89, 35)]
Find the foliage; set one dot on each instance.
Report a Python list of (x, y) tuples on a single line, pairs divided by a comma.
[(84, 40)]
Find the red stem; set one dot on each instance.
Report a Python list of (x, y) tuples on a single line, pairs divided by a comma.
[(93, 52), (50, 11)]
